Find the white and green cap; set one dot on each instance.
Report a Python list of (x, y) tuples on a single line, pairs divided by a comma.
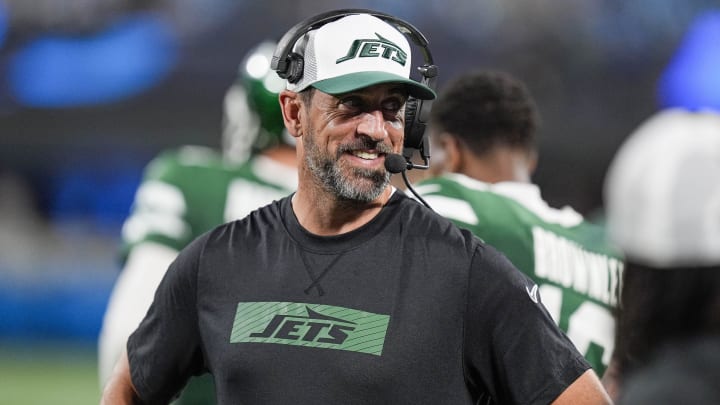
[(662, 191), (354, 52)]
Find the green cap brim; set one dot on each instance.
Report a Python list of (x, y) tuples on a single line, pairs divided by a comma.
[(359, 80)]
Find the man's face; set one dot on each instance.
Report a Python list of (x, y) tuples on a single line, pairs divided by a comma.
[(347, 137)]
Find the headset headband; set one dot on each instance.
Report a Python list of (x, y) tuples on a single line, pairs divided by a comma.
[(280, 62)]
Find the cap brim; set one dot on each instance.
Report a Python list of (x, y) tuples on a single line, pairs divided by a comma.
[(354, 81)]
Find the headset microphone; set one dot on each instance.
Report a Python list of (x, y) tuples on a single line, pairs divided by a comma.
[(395, 163)]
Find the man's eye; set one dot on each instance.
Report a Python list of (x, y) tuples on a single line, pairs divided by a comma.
[(392, 106), (351, 102)]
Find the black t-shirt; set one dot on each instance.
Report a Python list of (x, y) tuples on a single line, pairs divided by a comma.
[(406, 309)]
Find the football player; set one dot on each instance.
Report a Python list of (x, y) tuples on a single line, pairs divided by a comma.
[(483, 132), (191, 189)]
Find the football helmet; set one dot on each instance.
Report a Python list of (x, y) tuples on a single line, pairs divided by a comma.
[(252, 120)]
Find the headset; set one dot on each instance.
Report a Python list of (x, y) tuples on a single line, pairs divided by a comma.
[(289, 65)]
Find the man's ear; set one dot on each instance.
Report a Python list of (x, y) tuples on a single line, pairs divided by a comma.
[(532, 161), (453, 153), (291, 106)]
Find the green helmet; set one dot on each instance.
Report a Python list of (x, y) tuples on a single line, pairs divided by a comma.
[(252, 120)]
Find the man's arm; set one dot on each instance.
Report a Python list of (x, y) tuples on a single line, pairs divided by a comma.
[(120, 389), (131, 296), (611, 378), (586, 389)]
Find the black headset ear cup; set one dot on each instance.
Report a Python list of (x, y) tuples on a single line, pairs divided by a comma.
[(293, 68), (417, 115), (414, 130), (296, 65)]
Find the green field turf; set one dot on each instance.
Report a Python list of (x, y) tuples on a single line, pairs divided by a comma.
[(48, 373)]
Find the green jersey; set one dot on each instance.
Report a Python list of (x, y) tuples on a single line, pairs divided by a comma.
[(577, 272), (189, 191)]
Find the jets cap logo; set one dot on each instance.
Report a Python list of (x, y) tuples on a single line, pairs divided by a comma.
[(375, 48)]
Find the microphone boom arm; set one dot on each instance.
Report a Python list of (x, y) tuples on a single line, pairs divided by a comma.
[(412, 190), (395, 163)]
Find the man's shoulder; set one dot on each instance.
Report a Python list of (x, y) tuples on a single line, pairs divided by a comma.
[(188, 167), (262, 216), (460, 187), (468, 201), (427, 221), (263, 223), (178, 163)]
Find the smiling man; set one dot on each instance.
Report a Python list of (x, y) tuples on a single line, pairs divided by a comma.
[(349, 291), (355, 172)]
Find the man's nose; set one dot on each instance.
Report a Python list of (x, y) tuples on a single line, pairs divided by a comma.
[(372, 124)]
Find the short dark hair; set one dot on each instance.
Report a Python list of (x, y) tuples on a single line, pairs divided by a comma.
[(681, 374), (661, 307), (485, 108)]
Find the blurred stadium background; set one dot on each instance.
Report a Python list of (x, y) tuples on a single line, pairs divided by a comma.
[(90, 90)]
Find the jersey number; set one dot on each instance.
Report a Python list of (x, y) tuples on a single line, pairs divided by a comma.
[(589, 323)]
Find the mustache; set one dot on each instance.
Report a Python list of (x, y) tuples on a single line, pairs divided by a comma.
[(365, 143)]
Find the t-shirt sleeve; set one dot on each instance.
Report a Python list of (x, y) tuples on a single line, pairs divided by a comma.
[(513, 348), (165, 349)]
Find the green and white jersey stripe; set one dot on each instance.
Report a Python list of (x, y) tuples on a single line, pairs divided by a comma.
[(578, 273), (188, 191)]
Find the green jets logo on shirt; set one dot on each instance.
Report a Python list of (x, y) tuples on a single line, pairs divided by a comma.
[(373, 48), (310, 325)]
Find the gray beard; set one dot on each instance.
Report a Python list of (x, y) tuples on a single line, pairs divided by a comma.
[(326, 171)]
